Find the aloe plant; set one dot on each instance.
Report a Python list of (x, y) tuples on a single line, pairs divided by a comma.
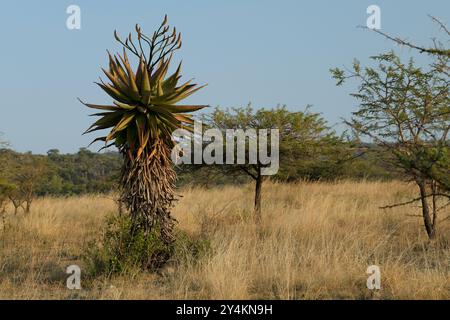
[(143, 114)]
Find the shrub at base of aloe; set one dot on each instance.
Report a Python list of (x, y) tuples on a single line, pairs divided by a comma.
[(119, 251), (122, 251)]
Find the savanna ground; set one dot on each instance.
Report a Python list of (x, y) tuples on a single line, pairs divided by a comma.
[(315, 241)]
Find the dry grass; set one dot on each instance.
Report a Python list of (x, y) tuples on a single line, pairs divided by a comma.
[(315, 242)]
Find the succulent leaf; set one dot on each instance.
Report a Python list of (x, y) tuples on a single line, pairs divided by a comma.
[(144, 110)]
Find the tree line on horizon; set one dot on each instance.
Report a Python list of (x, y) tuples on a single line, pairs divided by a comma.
[(25, 176)]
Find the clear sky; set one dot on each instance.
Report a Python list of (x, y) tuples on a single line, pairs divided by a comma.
[(264, 52)]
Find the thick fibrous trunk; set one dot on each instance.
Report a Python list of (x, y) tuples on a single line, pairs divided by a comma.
[(147, 190)]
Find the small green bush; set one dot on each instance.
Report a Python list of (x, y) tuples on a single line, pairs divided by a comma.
[(121, 251)]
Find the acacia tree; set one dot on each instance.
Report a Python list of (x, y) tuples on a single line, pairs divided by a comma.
[(29, 175), (22, 176), (406, 111), (142, 118), (305, 141), (440, 52)]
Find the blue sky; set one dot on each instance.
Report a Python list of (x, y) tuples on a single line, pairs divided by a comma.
[(264, 52)]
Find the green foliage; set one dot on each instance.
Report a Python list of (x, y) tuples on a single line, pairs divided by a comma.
[(81, 173), (308, 147), (368, 164), (62, 174), (121, 250), (24, 173), (405, 109)]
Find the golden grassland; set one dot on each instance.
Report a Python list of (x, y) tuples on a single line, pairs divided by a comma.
[(315, 241)]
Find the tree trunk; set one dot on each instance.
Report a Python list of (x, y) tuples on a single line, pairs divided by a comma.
[(28, 206), (16, 204), (258, 189), (434, 207), (429, 226)]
